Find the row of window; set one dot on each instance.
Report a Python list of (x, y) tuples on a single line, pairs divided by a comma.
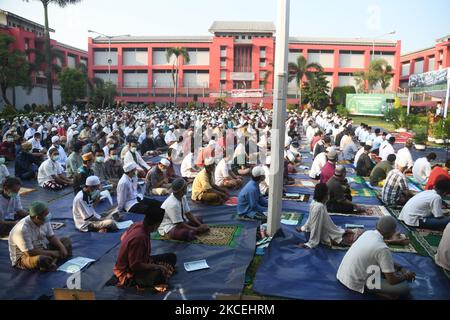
[(16, 25), (419, 65)]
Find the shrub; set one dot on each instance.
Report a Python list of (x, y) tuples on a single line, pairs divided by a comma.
[(27, 108), (33, 107), (421, 136), (8, 111), (342, 111), (292, 107), (339, 95), (41, 108), (401, 119)]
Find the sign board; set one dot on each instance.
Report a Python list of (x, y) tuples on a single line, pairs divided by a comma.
[(251, 93), (429, 81), (242, 76), (368, 104)]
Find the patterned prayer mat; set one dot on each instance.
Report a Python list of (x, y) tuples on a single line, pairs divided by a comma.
[(427, 240), (363, 193), (24, 191), (344, 162), (304, 183), (371, 211), (232, 202), (357, 180), (296, 197), (218, 236)]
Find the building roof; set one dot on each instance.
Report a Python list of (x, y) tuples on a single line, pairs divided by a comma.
[(159, 39), (417, 51), (12, 15), (60, 44), (242, 27), (342, 41), (444, 39)]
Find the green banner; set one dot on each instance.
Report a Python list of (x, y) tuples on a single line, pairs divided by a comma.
[(368, 104)]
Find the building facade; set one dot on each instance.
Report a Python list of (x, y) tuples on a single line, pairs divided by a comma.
[(235, 62), (29, 38)]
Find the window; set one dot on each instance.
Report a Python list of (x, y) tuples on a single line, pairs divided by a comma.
[(135, 57), (135, 79), (223, 85), (102, 56), (351, 59), (262, 52), (262, 85), (160, 57), (223, 51), (431, 63), (106, 76), (388, 56), (198, 57), (223, 75), (294, 54), (323, 57), (262, 62), (418, 66), (406, 69), (262, 74), (196, 79), (162, 79), (223, 62)]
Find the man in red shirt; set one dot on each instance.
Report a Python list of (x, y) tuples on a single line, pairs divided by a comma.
[(135, 267), (328, 170), (437, 174), (317, 137)]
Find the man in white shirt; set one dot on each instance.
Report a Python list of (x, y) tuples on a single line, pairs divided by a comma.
[(30, 131), (62, 154), (32, 243), (387, 148), (225, 177), (134, 156), (319, 162), (368, 266), (10, 202), (84, 215), (188, 169), (178, 222), (51, 173), (405, 154), (170, 138), (424, 210), (422, 168)]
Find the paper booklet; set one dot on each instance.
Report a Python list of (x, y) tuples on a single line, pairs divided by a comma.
[(75, 265), (124, 224), (196, 265)]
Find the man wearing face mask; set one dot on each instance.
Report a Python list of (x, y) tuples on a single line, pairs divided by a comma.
[(84, 172), (156, 182), (148, 146), (32, 243), (62, 154), (134, 156), (75, 161), (37, 149), (84, 215), (10, 203), (8, 148), (114, 167), (26, 165), (51, 173), (110, 144), (99, 166)]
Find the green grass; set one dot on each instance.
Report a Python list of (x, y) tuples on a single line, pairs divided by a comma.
[(375, 122)]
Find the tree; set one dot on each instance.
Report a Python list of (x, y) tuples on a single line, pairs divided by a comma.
[(73, 85), (300, 69), (177, 52), (103, 92), (316, 90), (14, 67), (48, 70), (379, 73), (339, 95)]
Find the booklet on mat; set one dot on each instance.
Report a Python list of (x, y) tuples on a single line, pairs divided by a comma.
[(354, 226), (57, 225), (124, 224), (75, 265), (196, 265)]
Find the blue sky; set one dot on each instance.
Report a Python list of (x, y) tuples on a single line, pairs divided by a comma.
[(418, 23)]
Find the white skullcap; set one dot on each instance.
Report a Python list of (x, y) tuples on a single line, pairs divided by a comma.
[(129, 167), (258, 172), (165, 162), (92, 181), (74, 126), (268, 160), (403, 163), (369, 143), (54, 129), (55, 139), (290, 156), (209, 161)]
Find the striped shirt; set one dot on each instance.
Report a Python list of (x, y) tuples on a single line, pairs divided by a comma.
[(395, 184)]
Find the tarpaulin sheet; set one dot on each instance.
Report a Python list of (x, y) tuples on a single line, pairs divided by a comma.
[(290, 272)]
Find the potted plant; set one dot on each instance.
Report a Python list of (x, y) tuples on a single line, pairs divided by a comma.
[(439, 132), (420, 140)]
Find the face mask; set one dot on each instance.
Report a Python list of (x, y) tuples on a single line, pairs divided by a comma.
[(95, 194), (55, 158), (2, 161), (115, 157), (10, 140), (48, 218), (163, 170), (100, 159), (133, 149), (111, 146)]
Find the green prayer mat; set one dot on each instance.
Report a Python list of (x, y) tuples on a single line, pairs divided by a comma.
[(342, 162), (416, 183), (399, 249), (363, 193), (426, 241), (357, 180), (371, 211), (291, 218), (219, 236)]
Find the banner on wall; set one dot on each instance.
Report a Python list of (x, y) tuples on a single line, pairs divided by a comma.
[(429, 81), (368, 104)]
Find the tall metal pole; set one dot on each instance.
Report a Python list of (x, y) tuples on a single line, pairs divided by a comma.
[(447, 96), (109, 59), (279, 118)]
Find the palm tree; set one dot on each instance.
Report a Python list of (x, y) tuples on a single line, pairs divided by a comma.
[(48, 72), (300, 69), (177, 52), (40, 58)]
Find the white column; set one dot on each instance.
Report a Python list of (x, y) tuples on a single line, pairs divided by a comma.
[(448, 94), (409, 102), (279, 117)]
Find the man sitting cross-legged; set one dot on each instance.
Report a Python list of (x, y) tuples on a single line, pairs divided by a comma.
[(251, 203), (204, 188), (135, 267), (32, 243), (179, 223), (84, 215)]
